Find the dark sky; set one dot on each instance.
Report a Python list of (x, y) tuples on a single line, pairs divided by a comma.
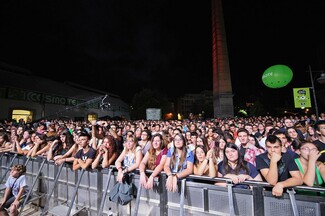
[(161, 44)]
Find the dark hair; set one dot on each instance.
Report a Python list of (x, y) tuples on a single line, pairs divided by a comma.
[(148, 133), (194, 133), (318, 123), (257, 143), (196, 161), (50, 138), (273, 139), (278, 132), (20, 168), (177, 129), (242, 130), (84, 134), (241, 164)]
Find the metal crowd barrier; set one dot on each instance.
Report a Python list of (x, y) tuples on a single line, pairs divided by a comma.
[(85, 193)]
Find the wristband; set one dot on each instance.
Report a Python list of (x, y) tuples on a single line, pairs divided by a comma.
[(207, 159), (175, 174), (169, 174)]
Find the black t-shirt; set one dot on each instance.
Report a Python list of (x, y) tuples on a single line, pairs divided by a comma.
[(91, 153), (285, 165), (321, 147)]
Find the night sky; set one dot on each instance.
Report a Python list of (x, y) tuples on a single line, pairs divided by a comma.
[(163, 45)]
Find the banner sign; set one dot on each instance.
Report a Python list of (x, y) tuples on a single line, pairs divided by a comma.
[(301, 97)]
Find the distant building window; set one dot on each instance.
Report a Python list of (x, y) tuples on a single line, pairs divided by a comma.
[(92, 117), (22, 115)]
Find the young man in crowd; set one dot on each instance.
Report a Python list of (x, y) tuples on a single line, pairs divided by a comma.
[(277, 168), (85, 156)]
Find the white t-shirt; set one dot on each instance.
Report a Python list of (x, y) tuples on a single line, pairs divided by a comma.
[(16, 184)]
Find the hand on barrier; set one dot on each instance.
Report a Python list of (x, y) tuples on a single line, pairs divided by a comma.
[(149, 184), (277, 190), (171, 183), (143, 179)]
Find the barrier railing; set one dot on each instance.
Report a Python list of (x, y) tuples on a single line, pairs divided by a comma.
[(197, 195)]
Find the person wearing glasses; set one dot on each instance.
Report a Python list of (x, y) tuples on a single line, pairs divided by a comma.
[(277, 168), (179, 162), (312, 170)]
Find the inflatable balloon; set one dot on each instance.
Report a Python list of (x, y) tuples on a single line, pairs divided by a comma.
[(277, 76)]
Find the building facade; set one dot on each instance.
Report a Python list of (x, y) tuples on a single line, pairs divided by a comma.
[(28, 97)]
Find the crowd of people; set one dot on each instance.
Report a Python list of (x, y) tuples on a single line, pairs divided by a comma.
[(283, 151)]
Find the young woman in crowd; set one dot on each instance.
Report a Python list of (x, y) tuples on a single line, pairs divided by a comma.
[(312, 171), (205, 162), (311, 135), (25, 144), (70, 145), (220, 146), (138, 133), (234, 167), (179, 162), (45, 148), (130, 158), (254, 141), (106, 153), (153, 160), (292, 133), (202, 141), (39, 143), (5, 144)]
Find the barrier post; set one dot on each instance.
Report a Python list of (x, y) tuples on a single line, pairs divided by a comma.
[(105, 192), (182, 210), (291, 193), (230, 199), (258, 201), (163, 196), (137, 201)]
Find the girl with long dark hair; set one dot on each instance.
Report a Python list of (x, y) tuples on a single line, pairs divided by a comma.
[(234, 167)]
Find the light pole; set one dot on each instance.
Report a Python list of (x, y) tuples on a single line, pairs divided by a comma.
[(321, 80)]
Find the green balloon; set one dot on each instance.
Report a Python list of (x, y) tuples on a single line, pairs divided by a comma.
[(277, 76)]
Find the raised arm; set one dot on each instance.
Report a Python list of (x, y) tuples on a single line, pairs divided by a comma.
[(108, 161), (50, 151), (271, 174), (309, 176)]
